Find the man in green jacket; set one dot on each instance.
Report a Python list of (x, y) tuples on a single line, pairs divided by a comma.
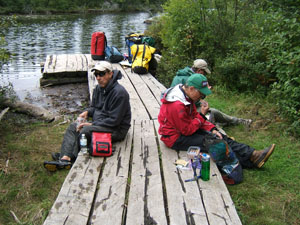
[(215, 116)]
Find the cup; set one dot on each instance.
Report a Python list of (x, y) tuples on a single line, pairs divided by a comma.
[(79, 121)]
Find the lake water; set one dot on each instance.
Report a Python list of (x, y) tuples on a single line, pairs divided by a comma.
[(35, 37)]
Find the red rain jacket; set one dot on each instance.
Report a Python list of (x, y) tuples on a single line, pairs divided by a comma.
[(178, 116)]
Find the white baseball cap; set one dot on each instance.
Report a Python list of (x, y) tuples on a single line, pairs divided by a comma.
[(102, 66), (201, 64)]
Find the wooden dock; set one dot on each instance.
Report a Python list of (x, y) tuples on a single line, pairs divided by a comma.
[(65, 69), (140, 184)]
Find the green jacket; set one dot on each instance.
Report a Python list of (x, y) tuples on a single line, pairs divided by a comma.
[(182, 76)]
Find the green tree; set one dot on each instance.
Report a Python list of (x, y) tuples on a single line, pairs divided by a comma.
[(202, 29), (252, 46), (5, 22), (5, 90)]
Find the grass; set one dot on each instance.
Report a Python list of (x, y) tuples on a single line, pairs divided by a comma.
[(267, 196), (26, 188)]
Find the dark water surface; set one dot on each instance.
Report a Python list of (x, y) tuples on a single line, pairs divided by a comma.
[(38, 36)]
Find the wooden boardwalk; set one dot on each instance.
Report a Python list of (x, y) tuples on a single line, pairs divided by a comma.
[(140, 184)]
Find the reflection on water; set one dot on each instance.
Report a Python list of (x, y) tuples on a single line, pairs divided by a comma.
[(38, 36)]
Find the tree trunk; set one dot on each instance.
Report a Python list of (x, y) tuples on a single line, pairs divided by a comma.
[(30, 109), (3, 112)]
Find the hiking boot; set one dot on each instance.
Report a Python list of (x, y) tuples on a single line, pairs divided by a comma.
[(52, 166), (246, 122), (55, 156), (260, 157)]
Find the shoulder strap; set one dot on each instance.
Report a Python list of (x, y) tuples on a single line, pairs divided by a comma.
[(143, 54), (137, 50)]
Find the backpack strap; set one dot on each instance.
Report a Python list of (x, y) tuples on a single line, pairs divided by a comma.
[(143, 54), (96, 43), (137, 50)]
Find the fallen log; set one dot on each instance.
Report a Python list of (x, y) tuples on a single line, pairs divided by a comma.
[(59, 81), (29, 109), (3, 112)]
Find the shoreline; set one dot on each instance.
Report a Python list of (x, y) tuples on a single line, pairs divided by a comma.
[(108, 9)]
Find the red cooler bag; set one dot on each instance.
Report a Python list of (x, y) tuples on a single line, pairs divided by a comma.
[(100, 144)]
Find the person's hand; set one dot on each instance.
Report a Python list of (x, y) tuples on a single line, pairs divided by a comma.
[(204, 107), (82, 125), (84, 115), (218, 134)]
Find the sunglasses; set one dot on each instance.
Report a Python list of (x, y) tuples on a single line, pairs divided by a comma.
[(99, 73)]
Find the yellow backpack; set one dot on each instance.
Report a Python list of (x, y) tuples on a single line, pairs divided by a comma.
[(142, 54)]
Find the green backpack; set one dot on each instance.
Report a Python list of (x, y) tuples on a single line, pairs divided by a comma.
[(225, 159), (148, 40)]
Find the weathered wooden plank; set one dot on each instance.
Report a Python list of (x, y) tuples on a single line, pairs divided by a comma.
[(75, 198), (222, 209), (216, 198), (83, 62), (66, 64), (45, 65), (138, 110), (61, 63), (71, 62), (90, 62), (154, 85), (144, 93), (110, 198), (50, 64), (173, 185), (195, 208), (145, 203), (211, 200)]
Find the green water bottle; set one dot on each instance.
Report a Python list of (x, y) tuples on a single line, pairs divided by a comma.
[(205, 164)]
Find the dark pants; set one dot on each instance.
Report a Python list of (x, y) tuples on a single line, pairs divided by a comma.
[(242, 151), (70, 144)]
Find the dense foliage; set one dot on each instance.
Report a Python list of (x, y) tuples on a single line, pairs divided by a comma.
[(4, 23), (56, 6), (6, 91), (251, 46)]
